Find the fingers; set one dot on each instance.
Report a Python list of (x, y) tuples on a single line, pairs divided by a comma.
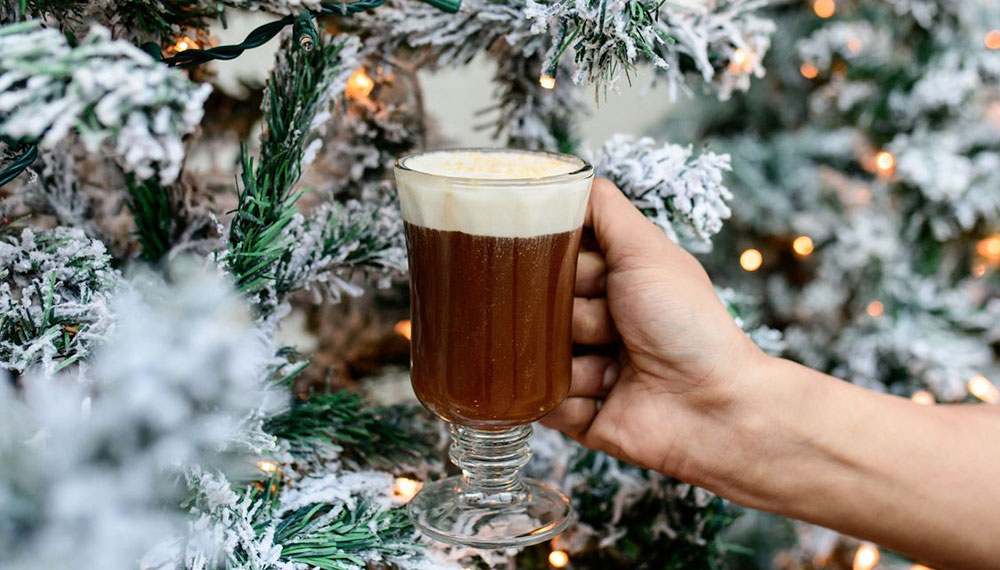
[(591, 274), (592, 322), (618, 225), (573, 417), (593, 375)]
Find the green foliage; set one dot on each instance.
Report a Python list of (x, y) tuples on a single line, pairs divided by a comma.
[(161, 21), (309, 536), (672, 526), (295, 92), (368, 434), (56, 280), (152, 211)]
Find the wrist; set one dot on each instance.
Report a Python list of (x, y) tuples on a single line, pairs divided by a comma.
[(743, 432)]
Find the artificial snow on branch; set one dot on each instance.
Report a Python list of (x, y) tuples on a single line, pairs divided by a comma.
[(682, 194), (91, 463), (110, 93), (300, 91), (55, 287), (336, 241)]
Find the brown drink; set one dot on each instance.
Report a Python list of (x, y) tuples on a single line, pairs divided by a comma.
[(492, 239), (491, 324)]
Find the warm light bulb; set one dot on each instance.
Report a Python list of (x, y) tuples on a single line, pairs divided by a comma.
[(558, 558), (824, 8), (866, 557), (547, 82), (992, 39), (406, 488), (989, 247), (267, 466), (923, 397), (404, 329), (854, 45), (981, 387), (978, 269), (808, 70), (359, 85), (803, 246), (751, 259), (742, 61), (184, 43), (885, 162), (875, 309)]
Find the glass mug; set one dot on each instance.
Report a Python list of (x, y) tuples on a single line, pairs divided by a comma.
[(492, 237)]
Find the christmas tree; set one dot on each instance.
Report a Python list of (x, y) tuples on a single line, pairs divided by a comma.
[(155, 414), (867, 213)]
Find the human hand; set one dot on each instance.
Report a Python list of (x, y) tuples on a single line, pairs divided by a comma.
[(667, 352)]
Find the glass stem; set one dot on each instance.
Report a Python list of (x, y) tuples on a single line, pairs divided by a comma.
[(491, 462)]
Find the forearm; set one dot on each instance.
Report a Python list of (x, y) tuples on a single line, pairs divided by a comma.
[(916, 479)]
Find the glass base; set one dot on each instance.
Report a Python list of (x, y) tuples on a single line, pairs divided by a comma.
[(536, 515), (489, 505)]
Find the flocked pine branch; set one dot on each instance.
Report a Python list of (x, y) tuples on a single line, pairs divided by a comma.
[(55, 287), (608, 37), (138, 21), (530, 117), (682, 194), (110, 93), (336, 242), (175, 384), (342, 424), (334, 521), (300, 90)]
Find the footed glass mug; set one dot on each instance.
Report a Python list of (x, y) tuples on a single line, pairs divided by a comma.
[(493, 237)]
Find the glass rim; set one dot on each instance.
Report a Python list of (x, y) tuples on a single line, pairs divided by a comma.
[(586, 169)]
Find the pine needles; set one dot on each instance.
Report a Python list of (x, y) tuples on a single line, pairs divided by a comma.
[(152, 211), (367, 434), (309, 536), (295, 93)]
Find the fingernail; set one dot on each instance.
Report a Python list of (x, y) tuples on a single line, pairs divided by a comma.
[(610, 376)]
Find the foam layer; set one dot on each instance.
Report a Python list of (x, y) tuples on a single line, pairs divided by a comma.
[(501, 194), (491, 165)]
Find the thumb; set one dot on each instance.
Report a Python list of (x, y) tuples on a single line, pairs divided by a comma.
[(622, 231)]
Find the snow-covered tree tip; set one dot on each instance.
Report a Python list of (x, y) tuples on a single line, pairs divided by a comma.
[(109, 92), (682, 194)]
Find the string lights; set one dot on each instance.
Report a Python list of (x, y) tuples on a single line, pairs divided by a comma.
[(359, 85), (989, 248), (992, 39), (866, 557), (808, 70), (981, 387), (547, 82), (267, 466), (978, 269), (742, 61), (558, 558), (803, 246), (184, 43), (875, 309), (824, 8), (405, 489), (885, 162), (854, 45), (751, 259), (404, 328), (923, 397)]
